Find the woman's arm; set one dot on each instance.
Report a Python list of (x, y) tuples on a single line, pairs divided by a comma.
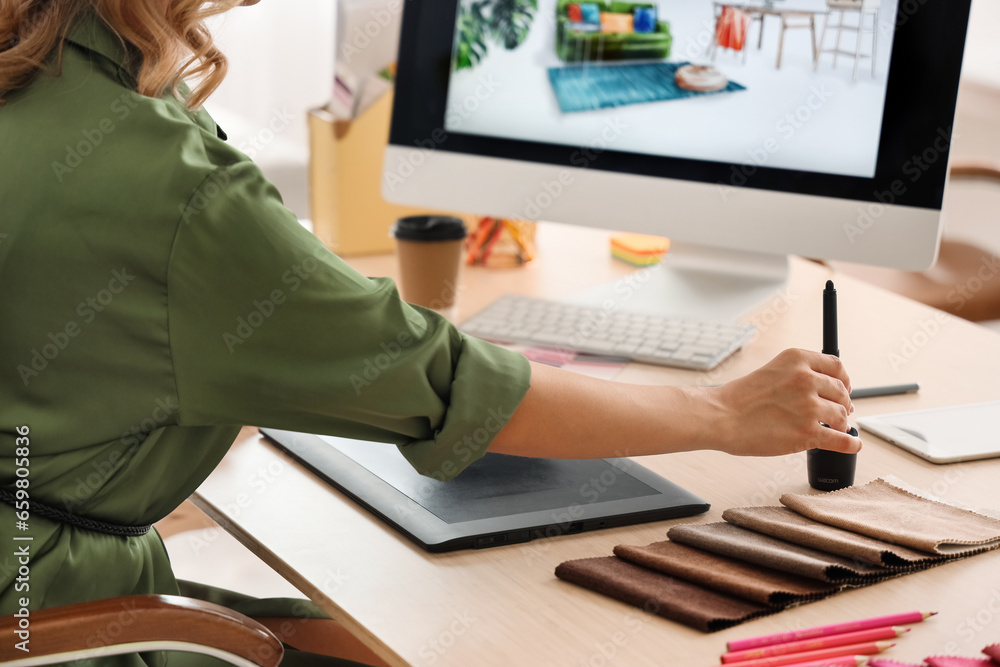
[(775, 410)]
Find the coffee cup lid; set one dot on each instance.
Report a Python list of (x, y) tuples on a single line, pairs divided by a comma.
[(429, 228)]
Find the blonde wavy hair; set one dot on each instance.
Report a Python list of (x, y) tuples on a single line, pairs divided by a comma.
[(169, 37)]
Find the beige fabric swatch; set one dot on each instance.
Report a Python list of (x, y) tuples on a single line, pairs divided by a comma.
[(888, 513), (790, 526), (741, 544), (657, 593), (743, 580)]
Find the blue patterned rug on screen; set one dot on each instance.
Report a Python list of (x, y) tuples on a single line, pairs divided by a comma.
[(590, 87)]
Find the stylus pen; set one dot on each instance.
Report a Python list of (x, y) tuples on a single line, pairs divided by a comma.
[(891, 390), (830, 344)]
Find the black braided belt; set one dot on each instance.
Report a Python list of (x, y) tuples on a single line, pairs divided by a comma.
[(49, 512)]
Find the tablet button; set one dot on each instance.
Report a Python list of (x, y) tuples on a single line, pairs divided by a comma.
[(491, 540)]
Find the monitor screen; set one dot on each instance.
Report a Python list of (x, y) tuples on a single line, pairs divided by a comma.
[(755, 84), (606, 86)]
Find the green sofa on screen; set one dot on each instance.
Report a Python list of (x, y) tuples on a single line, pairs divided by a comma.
[(576, 46)]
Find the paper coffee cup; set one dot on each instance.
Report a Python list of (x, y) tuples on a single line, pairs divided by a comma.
[(430, 251)]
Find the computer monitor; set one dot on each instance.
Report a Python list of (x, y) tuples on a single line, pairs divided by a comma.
[(821, 128)]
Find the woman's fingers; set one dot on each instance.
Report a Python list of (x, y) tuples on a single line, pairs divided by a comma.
[(833, 415), (837, 441), (833, 390), (782, 407), (828, 364)]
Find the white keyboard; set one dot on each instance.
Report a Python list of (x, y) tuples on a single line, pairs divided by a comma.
[(654, 339)]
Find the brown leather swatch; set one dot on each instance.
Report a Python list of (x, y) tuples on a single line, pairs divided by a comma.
[(660, 594), (741, 544), (743, 580), (790, 526), (880, 510)]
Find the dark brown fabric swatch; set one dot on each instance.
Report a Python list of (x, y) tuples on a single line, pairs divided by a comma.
[(659, 594), (883, 511), (743, 580), (741, 544), (790, 526)]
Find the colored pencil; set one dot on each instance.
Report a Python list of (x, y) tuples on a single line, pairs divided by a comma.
[(836, 661), (827, 630), (814, 644), (842, 661), (870, 648)]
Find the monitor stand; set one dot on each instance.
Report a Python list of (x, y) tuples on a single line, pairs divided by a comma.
[(696, 282)]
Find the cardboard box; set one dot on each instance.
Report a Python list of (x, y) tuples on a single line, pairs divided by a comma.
[(348, 212)]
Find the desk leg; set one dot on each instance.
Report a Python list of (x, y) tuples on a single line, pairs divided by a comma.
[(874, 40), (836, 46), (812, 39), (857, 44), (781, 42), (822, 39)]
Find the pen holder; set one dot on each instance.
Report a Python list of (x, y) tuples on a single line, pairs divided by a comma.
[(829, 471)]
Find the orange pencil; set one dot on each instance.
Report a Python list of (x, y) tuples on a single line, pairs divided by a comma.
[(815, 644), (812, 656)]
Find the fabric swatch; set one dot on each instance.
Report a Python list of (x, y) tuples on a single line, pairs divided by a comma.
[(743, 580), (671, 598), (790, 526), (888, 513), (741, 544)]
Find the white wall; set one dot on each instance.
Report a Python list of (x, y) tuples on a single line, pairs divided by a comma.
[(982, 48), (280, 65)]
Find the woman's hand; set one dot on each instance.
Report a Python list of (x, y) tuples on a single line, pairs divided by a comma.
[(777, 409), (780, 408)]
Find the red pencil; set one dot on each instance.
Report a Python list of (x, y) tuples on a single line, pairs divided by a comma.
[(812, 656), (815, 644), (826, 630)]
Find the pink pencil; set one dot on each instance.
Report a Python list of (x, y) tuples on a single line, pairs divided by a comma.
[(839, 661), (815, 644), (834, 653), (826, 630), (846, 661)]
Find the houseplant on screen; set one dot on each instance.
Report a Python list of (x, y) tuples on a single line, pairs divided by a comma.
[(481, 22)]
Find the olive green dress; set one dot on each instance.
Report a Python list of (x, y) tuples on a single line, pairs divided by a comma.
[(154, 297)]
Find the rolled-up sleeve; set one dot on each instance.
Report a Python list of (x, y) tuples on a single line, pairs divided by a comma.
[(269, 328)]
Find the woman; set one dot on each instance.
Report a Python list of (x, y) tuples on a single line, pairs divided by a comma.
[(134, 245)]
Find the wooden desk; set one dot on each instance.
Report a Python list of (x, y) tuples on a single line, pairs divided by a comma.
[(504, 606)]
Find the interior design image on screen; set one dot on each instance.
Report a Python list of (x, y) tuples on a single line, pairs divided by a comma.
[(793, 84)]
